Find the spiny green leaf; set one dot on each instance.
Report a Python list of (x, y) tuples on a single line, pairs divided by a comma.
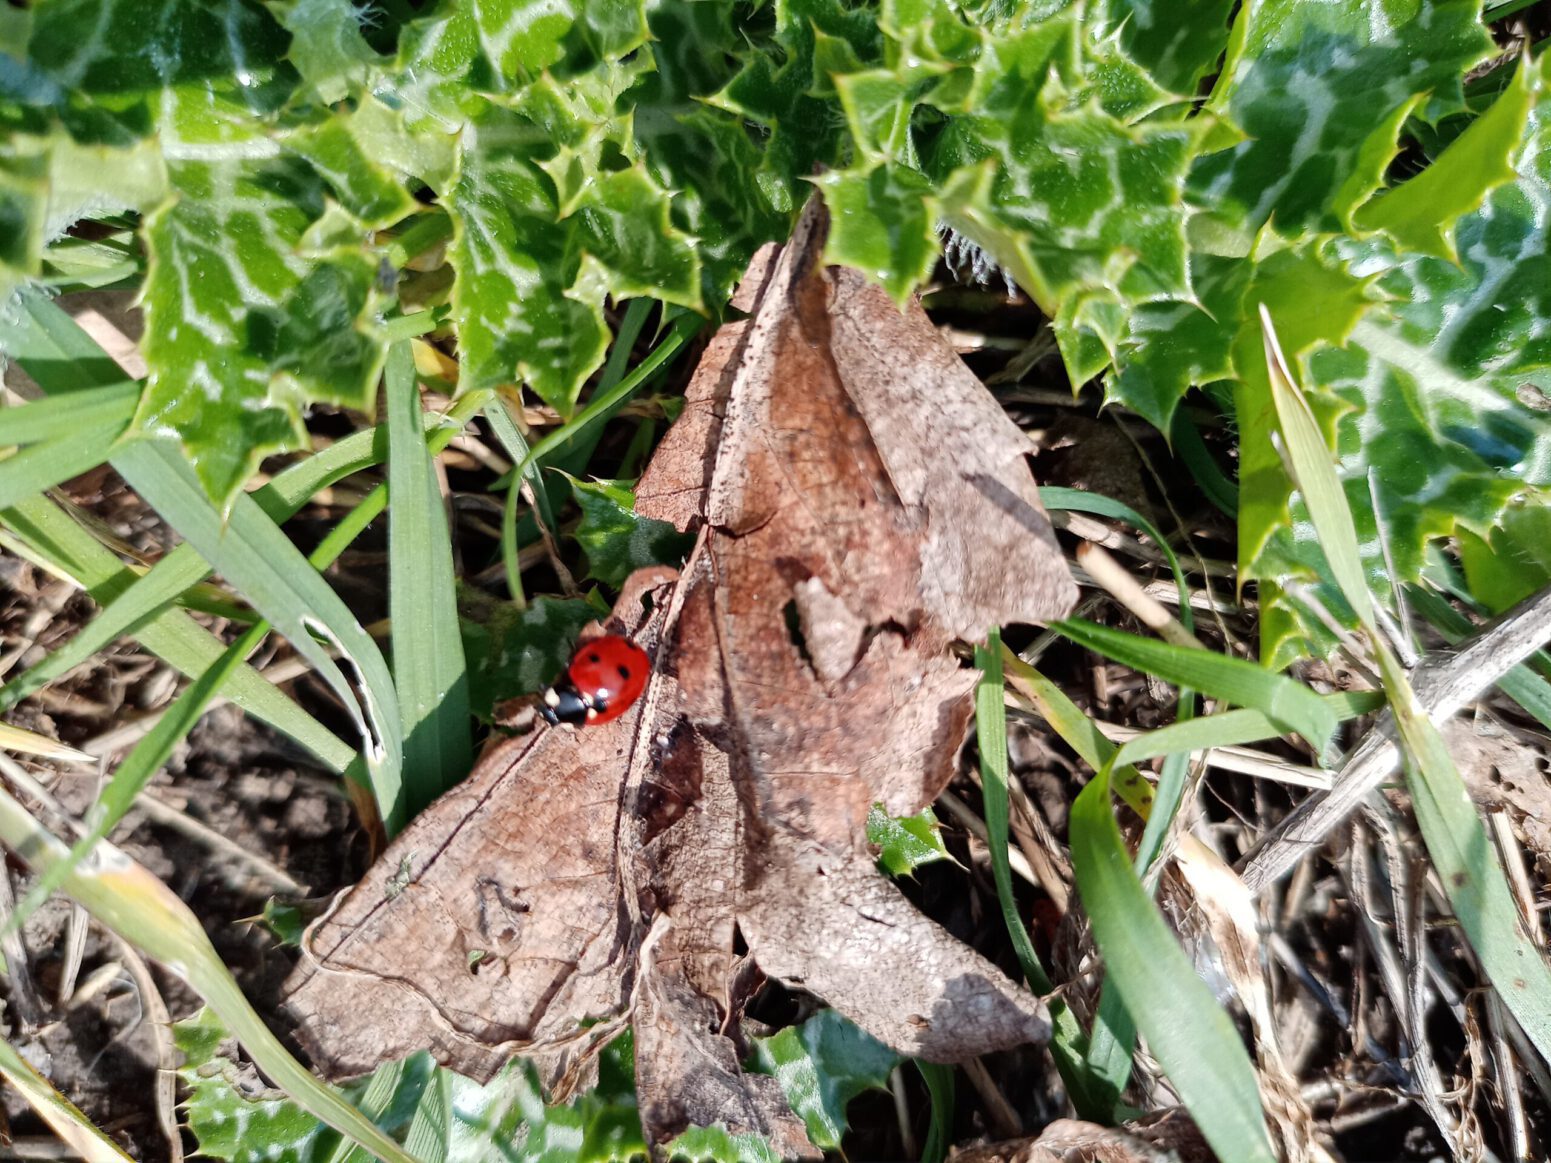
[(1514, 561), (514, 651), (822, 1065), (1444, 389), (1320, 92), (1178, 44), (327, 47), (887, 225), (617, 541), (533, 274), (240, 330), (1421, 214), (906, 842)]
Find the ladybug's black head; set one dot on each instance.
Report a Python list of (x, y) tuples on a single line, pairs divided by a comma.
[(563, 704)]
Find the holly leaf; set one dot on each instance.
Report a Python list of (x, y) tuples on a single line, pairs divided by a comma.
[(1320, 92), (1443, 389), (616, 540), (704, 154), (1514, 560), (546, 229), (1421, 214), (327, 47), (822, 1065), (514, 651), (905, 843), (241, 331), (1178, 44)]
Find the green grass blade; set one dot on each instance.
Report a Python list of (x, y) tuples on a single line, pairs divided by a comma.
[(1068, 1043), (428, 666), (1186, 1030), (1224, 729), (1174, 776), (61, 1115), (1191, 449), (1467, 863), (147, 758), (991, 733), (127, 899), (579, 454), (1291, 705), (939, 1089), (602, 405), (1468, 867), (1168, 798), (172, 635), (39, 467), (261, 563), (1081, 734), (110, 406), (1314, 471), (1077, 501), (182, 568), (58, 355), (1112, 1047), (516, 446)]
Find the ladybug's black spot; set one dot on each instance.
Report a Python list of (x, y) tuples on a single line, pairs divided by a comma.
[(594, 657), (624, 672)]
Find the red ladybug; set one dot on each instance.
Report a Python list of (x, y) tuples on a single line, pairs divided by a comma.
[(606, 675)]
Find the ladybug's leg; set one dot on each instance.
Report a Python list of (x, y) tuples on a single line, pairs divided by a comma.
[(563, 704)]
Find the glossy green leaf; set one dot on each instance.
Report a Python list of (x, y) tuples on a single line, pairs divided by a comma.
[(905, 843), (822, 1065), (546, 228), (887, 225), (1319, 92), (327, 46), (617, 541), (1421, 214), (1443, 392), (241, 330), (515, 651), (1178, 44), (1514, 561)]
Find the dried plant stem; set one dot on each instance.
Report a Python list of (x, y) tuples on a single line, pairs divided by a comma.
[(1445, 684)]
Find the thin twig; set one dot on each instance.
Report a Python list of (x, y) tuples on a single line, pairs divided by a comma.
[(1445, 683)]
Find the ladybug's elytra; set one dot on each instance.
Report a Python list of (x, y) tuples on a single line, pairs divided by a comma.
[(606, 675)]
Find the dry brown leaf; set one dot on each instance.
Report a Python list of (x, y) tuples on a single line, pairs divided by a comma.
[(1167, 1137), (1505, 773), (861, 502)]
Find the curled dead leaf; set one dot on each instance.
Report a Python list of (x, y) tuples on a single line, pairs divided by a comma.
[(861, 502)]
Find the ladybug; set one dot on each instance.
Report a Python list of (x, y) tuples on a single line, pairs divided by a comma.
[(605, 676)]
